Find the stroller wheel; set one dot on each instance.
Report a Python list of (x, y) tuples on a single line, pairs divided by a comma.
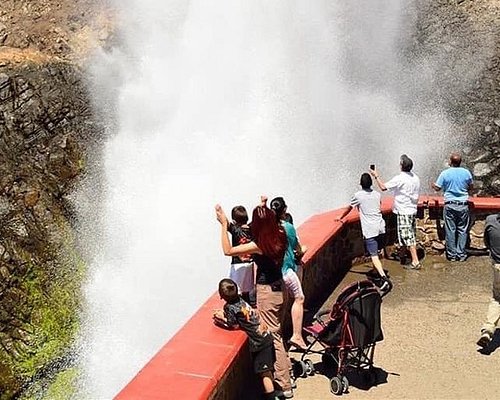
[(300, 369), (345, 384), (309, 366), (336, 385)]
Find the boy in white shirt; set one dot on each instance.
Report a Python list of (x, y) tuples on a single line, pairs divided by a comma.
[(367, 201)]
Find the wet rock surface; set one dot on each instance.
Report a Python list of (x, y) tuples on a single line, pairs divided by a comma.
[(45, 129), (461, 41)]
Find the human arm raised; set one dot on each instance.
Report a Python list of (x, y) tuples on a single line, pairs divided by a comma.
[(380, 182), (227, 248)]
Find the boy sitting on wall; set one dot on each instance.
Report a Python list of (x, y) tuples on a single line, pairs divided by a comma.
[(238, 313)]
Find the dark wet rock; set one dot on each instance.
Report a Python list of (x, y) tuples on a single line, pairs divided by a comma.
[(478, 184), (495, 185), (438, 245), (492, 138), (483, 156), (482, 170), (3, 33)]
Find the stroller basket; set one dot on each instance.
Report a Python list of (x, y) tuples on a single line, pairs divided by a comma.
[(355, 317)]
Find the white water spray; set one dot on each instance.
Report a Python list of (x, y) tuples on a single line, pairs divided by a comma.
[(221, 101)]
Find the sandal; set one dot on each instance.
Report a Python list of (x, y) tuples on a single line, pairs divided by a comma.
[(296, 346)]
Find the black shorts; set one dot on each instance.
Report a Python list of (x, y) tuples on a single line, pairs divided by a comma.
[(263, 359)]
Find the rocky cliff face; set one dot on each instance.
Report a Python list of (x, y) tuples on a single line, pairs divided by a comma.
[(46, 129), (460, 39), (45, 123)]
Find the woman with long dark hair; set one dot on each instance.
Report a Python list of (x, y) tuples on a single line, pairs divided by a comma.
[(268, 248)]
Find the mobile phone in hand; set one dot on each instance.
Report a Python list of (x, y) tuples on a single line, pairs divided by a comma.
[(372, 167)]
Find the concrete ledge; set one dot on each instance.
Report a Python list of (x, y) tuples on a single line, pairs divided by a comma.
[(192, 363)]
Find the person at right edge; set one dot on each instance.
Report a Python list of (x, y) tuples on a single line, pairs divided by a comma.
[(405, 187), (492, 242), (456, 183)]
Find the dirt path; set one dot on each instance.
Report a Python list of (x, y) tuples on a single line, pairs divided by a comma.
[(431, 322)]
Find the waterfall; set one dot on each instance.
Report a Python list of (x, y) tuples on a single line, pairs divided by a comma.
[(222, 101)]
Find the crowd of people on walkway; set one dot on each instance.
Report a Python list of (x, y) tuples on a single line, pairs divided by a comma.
[(456, 184), (266, 258), (275, 251)]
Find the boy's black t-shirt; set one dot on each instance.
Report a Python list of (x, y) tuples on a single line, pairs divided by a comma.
[(247, 318), (240, 235)]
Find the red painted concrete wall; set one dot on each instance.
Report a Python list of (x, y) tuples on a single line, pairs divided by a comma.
[(205, 362)]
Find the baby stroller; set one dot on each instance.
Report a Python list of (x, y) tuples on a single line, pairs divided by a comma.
[(347, 335)]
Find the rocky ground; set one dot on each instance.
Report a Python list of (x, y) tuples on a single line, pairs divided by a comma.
[(49, 28)]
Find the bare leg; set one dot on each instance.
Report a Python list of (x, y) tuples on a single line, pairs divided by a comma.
[(378, 265), (294, 287), (297, 314), (414, 256), (267, 381)]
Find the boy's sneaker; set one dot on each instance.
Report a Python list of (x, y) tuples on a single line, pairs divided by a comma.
[(385, 286), (271, 396), (284, 394), (485, 339)]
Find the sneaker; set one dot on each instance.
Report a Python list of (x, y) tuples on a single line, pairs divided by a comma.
[(384, 287), (288, 394), (485, 339), (284, 394), (416, 266)]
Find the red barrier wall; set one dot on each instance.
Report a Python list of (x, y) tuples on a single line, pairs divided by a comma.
[(205, 362)]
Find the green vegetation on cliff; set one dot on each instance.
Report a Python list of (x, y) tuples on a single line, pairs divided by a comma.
[(45, 122)]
